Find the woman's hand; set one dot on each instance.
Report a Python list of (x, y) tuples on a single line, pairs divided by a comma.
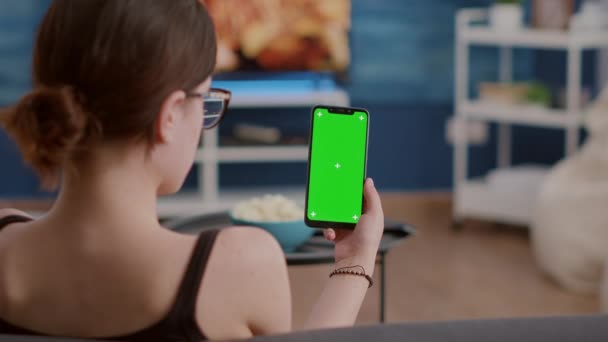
[(359, 246)]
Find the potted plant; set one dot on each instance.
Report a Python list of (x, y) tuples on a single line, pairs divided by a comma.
[(506, 15), (538, 94)]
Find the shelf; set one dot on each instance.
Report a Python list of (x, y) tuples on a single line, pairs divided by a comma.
[(185, 204), (475, 198), (496, 198), (533, 38), (283, 93), (289, 99), (257, 154), (528, 115), (285, 140)]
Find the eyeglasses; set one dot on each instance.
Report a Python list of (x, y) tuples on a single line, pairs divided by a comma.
[(215, 103)]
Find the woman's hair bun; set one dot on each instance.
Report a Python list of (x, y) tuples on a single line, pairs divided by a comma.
[(47, 124)]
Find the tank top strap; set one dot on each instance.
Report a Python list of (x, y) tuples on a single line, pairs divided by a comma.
[(7, 220)]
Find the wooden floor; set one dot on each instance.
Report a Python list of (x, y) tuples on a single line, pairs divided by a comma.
[(483, 271)]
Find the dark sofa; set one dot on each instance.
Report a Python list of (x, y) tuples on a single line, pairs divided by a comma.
[(593, 328)]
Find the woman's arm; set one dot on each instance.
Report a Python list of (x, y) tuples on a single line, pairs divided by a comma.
[(270, 313), (253, 283), (247, 286), (343, 295), (339, 303)]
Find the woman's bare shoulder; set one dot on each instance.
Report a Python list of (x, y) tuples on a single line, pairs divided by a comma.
[(247, 278), (4, 212), (249, 238), (5, 240), (248, 248)]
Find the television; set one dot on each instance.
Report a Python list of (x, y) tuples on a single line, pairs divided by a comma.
[(282, 35)]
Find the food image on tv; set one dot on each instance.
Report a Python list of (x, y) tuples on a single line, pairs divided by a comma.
[(282, 35)]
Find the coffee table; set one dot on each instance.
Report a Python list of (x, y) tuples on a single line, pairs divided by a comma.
[(316, 250)]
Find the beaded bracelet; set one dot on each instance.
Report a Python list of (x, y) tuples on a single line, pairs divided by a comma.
[(348, 270)]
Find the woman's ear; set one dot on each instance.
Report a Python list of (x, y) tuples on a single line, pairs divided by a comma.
[(170, 112)]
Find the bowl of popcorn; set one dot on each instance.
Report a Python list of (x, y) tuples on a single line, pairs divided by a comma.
[(276, 214)]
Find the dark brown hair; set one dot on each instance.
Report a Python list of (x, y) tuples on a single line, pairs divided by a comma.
[(101, 70)]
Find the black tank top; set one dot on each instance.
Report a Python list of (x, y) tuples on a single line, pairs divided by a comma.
[(179, 324)]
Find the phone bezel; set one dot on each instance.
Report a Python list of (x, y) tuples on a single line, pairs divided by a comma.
[(339, 111)]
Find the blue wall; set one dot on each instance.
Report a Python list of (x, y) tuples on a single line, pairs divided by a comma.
[(402, 72), (18, 22)]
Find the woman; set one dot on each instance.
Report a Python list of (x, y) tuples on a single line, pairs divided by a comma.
[(116, 114)]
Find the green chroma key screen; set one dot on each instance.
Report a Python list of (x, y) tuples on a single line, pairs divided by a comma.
[(337, 166)]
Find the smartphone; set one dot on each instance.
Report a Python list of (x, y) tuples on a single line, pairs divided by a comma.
[(337, 166)]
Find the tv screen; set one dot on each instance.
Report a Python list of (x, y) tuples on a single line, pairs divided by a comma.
[(282, 35)]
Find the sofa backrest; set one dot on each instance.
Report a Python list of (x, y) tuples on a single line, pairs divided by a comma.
[(592, 328)]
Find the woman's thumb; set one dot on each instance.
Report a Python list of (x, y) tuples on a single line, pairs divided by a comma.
[(372, 199)]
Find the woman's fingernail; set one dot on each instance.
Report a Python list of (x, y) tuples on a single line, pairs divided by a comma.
[(371, 181)]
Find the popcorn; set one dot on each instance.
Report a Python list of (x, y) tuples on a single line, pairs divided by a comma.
[(268, 208)]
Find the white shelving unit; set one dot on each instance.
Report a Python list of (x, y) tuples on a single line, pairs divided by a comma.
[(473, 197), (208, 198)]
